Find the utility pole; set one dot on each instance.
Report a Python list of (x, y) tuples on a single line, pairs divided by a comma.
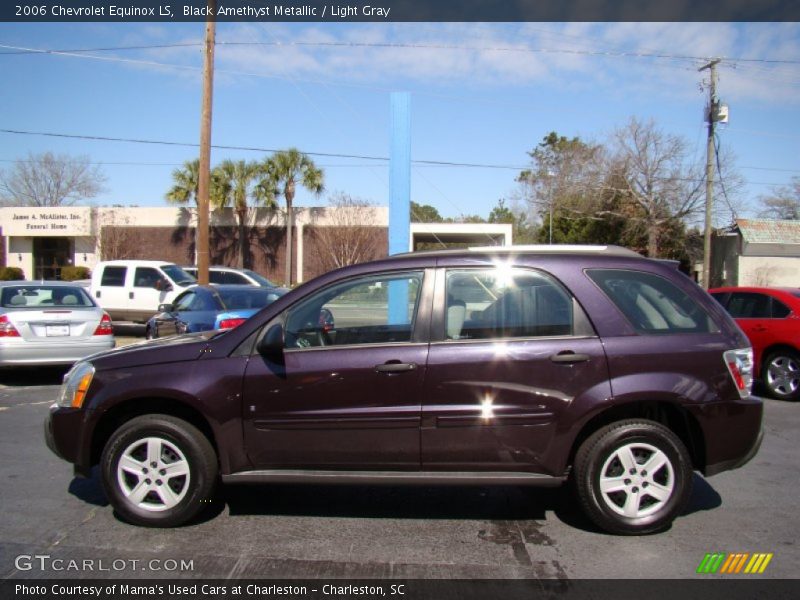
[(204, 175), (711, 116)]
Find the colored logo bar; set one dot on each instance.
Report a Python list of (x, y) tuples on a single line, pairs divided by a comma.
[(735, 564)]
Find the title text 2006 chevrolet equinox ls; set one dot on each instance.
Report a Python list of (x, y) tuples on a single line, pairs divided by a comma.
[(488, 366)]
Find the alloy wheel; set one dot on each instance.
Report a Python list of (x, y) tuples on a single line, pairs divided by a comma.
[(636, 480), (783, 375), (153, 474)]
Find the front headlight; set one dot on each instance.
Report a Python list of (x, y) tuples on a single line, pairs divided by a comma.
[(76, 384)]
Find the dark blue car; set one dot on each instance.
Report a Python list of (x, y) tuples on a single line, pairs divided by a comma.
[(198, 309)]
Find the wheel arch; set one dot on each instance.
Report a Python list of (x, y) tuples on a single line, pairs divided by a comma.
[(121, 413), (677, 419)]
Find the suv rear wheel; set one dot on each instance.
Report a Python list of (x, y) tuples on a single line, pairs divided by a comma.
[(158, 471), (633, 477)]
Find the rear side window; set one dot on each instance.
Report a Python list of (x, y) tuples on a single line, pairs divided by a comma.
[(227, 277), (114, 276), (652, 304), (750, 305), (505, 303)]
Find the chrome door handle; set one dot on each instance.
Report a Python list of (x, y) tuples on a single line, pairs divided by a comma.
[(569, 357), (395, 367)]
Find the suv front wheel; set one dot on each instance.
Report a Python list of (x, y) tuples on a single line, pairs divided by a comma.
[(633, 477), (158, 471)]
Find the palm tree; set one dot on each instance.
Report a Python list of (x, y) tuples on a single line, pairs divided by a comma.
[(286, 169), (238, 179), (185, 183)]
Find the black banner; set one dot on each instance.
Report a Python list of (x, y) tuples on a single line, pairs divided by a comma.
[(397, 10), (373, 589)]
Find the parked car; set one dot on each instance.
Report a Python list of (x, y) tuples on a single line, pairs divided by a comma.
[(771, 319), (233, 276), (132, 290), (207, 307), (521, 366), (50, 323)]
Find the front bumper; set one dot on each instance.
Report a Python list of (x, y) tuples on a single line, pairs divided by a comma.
[(63, 429)]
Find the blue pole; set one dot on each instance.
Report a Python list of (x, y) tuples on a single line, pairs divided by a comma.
[(399, 198), (400, 173)]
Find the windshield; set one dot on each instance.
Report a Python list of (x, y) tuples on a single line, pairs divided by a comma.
[(249, 297), (260, 278), (178, 275), (45, 296)]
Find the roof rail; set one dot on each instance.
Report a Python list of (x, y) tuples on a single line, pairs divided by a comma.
[(556, 248)]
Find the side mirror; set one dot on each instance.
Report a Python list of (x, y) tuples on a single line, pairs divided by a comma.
[(271, 344), (165, 308)]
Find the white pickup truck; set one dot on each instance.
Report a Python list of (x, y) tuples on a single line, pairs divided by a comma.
[(132, 290)]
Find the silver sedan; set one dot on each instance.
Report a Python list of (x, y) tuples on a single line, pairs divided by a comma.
[(50, 323)]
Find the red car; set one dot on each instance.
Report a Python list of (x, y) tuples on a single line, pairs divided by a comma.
[(771, 319)]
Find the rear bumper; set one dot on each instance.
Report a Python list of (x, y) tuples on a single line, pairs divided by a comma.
[(733, 433), (736, 463), (24, 353)]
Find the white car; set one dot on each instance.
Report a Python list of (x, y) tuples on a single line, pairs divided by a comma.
[(233, 276), (50, 323), (132, 290)]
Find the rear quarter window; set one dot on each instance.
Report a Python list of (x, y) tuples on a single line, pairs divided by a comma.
[(651, 303), (113, 276)]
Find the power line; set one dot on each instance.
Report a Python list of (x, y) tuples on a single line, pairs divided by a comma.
[(410, 46), (431, 163), (254, 149), (106, 49)]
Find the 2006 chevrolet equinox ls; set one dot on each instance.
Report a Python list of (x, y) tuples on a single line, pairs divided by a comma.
[(521, 366)]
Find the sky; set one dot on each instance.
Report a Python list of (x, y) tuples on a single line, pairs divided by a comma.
[(482, 95)]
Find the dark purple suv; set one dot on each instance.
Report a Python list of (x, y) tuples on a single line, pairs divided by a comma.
[(521, 366)]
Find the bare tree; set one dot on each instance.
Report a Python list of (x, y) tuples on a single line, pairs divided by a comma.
[(50, 180), (349, 233), (783, 203), (658, 178), (118, 238), (729, 186)]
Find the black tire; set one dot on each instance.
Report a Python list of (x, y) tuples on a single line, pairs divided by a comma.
[(169, 500), (148, 333), (600, 460), (781, 375)]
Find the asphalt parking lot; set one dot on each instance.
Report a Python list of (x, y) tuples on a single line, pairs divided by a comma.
[(379, 532)]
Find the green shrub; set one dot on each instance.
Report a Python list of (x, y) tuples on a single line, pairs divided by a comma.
[(74, 273), (11, 274)]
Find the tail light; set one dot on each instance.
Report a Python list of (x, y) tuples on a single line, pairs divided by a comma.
[(740, 366), (7, 329), (231, 323), (104, 328)]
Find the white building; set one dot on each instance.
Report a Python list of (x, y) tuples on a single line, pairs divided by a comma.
[(41, 241)]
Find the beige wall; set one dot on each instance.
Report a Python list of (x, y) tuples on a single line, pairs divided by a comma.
[(769, 271)]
